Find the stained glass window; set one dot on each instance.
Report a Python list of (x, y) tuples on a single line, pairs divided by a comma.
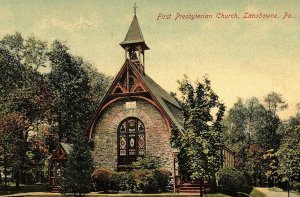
[(131, 140)]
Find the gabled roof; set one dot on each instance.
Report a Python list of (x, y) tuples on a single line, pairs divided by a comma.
[(134, 35), (167, 102), (62, 152), (67, 147)]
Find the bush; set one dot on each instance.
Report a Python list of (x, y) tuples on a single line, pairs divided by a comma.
[(146, 180), (164, 179), (231, 181), (296, 186), (101, 178), (122, 181), (148, 162)]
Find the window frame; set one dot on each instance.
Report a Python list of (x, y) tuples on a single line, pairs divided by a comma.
[(136, 138)]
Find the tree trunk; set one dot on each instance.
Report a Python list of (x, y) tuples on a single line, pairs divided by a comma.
[(254, 179), (5, 171), (18, 180), (201, 187)]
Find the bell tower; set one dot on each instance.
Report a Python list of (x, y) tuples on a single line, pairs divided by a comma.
[(135, 45)]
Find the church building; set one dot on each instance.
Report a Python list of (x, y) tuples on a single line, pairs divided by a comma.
[(136, 114)]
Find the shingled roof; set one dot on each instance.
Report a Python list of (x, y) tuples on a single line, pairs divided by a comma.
[(134, 35), (67, 147), (167, 102)]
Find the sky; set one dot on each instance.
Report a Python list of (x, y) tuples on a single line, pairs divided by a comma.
[(243, 57)]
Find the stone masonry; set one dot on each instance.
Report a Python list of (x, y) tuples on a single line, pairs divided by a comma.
[(105, 150)]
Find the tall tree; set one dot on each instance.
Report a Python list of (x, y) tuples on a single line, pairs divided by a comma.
[(13, 129), (76, 175), (70, 85), (15, 44), (289, 155), (268, 136), (200, 145)]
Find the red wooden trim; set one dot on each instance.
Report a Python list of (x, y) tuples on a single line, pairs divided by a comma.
[(138, 84), (103, 105), (121, 87)]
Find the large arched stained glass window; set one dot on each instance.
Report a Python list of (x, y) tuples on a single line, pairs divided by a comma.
[(131, 140)]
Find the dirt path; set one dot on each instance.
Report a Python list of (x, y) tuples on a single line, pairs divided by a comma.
[(269, 193)]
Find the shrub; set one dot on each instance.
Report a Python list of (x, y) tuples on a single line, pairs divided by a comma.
[(122, 181), (148, 162), (101, 179), (163, 179), (231, 181), (146, 180), (296, 186)]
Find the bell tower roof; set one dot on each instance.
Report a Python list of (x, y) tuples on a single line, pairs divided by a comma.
[(134, 35)]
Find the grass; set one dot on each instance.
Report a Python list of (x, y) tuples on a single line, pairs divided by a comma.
[(256, 193), (135, 195), (23, 189), (275, 189), (41, 191)]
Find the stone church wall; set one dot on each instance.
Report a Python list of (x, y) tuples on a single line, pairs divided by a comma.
[(105, 150)]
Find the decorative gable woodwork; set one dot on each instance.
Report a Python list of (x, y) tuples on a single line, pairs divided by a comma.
[(138, 87), (59, 154), (128, 82), (119, 89)]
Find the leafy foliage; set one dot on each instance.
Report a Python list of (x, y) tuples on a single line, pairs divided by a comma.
[(13, 145), (231, 181), (147, 161), (77, 172), (253, 131), (289, 155), (51, 90), (101, 178), (122, 181), (201, 142), (146, 180)]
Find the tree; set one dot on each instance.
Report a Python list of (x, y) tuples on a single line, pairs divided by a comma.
[(242, 122), (289, 154), (70, 87), (252, 131), (15, 45), (12, 74), (35, 53), (76, 175), (274, 103), (13, 145), (200, 145)]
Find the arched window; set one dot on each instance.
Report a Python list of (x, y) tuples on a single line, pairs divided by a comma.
[(131, 140)]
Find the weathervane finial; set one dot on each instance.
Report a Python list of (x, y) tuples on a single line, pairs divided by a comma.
[(134, 8)]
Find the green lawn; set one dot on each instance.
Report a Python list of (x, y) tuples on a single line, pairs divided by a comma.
[(276, 189), (134, 195), (256, 193), (41, 191)]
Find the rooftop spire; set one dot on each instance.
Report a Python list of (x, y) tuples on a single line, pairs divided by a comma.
[(134, 35), (134, 8)]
